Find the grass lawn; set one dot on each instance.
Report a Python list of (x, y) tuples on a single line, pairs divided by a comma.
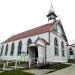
[(10, 63), (59, 66), (15, 72), (54, 66)]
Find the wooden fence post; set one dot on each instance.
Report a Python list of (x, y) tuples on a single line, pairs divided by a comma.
[(37, 62), (4, 65), (29, 63), (15, 64)]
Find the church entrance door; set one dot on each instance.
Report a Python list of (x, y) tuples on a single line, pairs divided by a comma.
[(36, 53), (33, 53)]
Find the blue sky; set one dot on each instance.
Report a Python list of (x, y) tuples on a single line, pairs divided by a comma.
[(20, 15)]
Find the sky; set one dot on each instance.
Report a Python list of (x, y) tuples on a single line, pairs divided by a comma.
[(20, 15)]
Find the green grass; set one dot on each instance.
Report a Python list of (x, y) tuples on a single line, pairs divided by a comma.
[(54, 66), (59, 66), (11, 64), (1, 65), (15, 72)]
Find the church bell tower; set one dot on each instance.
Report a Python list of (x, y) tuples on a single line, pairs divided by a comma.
[(51, 15)]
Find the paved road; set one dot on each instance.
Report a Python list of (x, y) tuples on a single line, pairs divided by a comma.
[(66, 71)]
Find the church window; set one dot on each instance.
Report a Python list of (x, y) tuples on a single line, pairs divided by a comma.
[(28, 43), (2, 49), (19, 47), (62, 48), (12, 49), (56, 46), (6, 50)]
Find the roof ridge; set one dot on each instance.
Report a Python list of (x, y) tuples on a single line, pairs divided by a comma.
[(34, 31), (33, 28)]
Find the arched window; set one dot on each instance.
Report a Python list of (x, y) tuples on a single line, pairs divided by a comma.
[(62, 48), (19, 47), (12, 49), (28, 43), (6, 50), (56, 46), (2, 49)]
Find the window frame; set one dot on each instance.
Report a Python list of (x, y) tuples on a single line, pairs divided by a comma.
[(28, 43), (63, 49), (6, 49), (56, 47), (12, 49), (2, 48), (71, 52), (19, 48)]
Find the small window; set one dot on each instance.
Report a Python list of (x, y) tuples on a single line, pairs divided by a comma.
[(56, 51), (71, 52), (19, 47), (6, 50), (2, 49), (28, 43), (56, 47), (62, 48), (12, 49)]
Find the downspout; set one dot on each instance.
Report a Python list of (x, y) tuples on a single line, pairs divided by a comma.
[(45, 56), (45, 59), (49, 37)]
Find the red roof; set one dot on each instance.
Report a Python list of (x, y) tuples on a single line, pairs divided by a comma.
[(35, 31)]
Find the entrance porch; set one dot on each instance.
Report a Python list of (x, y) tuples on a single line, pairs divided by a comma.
[(33, 53)]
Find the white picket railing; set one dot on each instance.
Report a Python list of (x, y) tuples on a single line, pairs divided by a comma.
[(37, 62), (30, 60)]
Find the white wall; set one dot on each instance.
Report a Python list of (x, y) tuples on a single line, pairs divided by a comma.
[(59, 30), (41, 52), (24, 46), (50, 50)]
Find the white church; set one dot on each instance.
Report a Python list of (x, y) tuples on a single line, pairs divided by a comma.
[(46, 43)]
